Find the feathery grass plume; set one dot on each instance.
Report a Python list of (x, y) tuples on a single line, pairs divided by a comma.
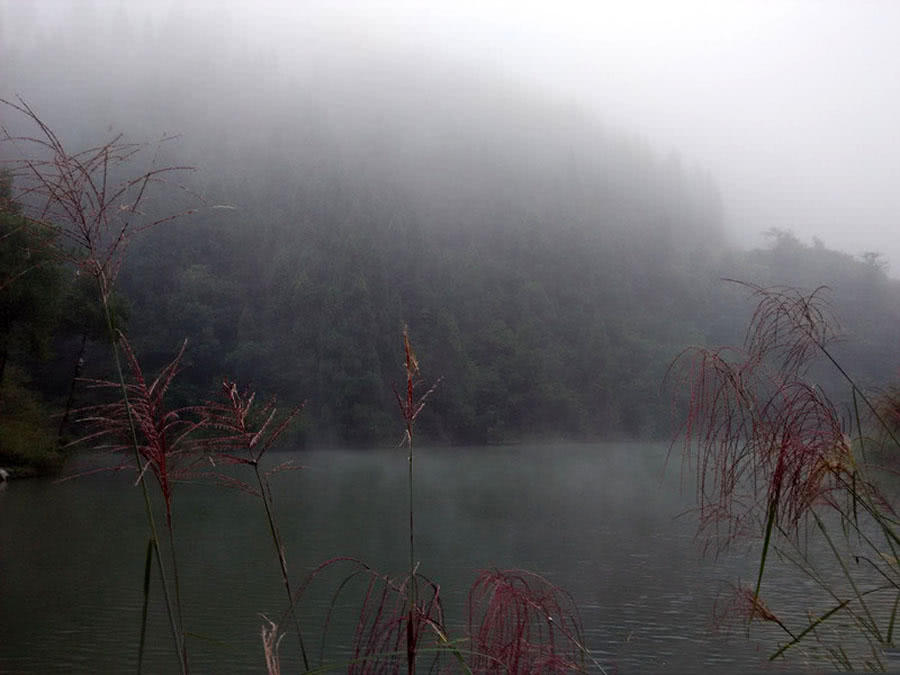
[(382, 618), (766, 439), (83, 195), (271, 640), (165, 444), (521, 623), (385, 622), (242, 436), (773, 454), (798, 327), (90, 202), (410, 405), (743, 603), (789, 326)]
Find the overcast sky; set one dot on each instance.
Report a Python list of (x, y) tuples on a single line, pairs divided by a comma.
[(794, 106)]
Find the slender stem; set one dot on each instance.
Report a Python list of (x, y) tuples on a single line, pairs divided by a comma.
[(890, 630), (410, 627), (282, 561), (872, 625), (148, 563), (809, 628), (773, 510), (78, 365), (412, 547), (862, 395), (178, 605)]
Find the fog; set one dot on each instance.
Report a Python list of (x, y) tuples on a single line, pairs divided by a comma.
[(790, 105)]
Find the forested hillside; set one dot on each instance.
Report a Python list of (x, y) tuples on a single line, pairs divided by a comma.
[(539, 327), (544, 331)]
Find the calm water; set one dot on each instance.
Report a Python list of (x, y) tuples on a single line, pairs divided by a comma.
[(598, 520)]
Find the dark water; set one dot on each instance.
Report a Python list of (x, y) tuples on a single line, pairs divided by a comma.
[(598, 520)]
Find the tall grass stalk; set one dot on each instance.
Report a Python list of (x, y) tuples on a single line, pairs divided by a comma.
[(177, 627), (161, 441), (282, 561), (235, 432), (410, 408), (79, 196)]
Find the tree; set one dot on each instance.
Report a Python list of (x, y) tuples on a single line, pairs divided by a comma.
[(30, 281)]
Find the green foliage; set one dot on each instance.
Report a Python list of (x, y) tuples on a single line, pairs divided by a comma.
[(30, 282), (43, 305), (538, 330), (82, 314), (30, 287), (27, 434)]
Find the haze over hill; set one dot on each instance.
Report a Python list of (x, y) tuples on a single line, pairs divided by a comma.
[(550, 259), (791, 105)]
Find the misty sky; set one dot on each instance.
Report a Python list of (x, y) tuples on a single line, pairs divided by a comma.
[(793, 106)]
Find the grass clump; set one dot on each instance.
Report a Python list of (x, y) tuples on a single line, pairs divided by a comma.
[(776, 460)]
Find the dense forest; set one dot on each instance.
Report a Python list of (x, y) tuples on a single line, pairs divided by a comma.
[(549, 268)]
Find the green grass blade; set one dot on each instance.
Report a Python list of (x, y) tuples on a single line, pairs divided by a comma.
[(810, 627), (859, 426), (453, 648), (890, 630), (210, 640), (872, 625), (773, 510), (148, 563)]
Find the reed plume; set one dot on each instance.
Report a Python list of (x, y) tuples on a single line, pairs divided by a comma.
[(521, 623)]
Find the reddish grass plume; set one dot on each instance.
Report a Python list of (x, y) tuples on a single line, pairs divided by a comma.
[(521, 623), (165, 442)]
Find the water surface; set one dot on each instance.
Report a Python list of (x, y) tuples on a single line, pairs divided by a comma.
[(598, 520)]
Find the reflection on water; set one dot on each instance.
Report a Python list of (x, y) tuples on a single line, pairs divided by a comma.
[(598, 520)]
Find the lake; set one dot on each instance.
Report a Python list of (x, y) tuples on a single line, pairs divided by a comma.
[(600, 520)]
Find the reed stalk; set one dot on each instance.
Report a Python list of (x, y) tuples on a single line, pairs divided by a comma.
[(75, 195), (237, 433), (410, 408), (282, 561), (177, 628)]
